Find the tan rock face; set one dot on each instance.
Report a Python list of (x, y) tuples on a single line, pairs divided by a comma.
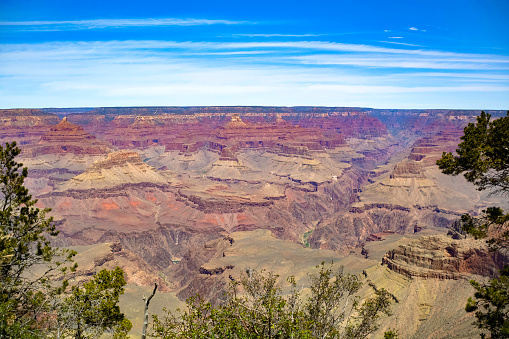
[(118, 159), (122, 167), (94, 258), (444, 258), (407, 169)]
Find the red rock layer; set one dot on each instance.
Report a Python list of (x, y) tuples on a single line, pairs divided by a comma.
[(358, 126), (216, 130), (429, 149), (25, 126), (66, 138), (279, 134)]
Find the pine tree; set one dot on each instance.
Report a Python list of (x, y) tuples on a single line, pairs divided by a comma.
[(483, 158), (27, 260)]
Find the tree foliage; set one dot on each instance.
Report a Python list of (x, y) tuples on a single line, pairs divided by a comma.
[(26, 257), (32, 304), (256, 308), (483, 155), (483, 158), (92, 309), (491, 305)]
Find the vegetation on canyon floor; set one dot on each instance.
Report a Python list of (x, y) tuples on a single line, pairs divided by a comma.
[(483, 158), (255, 307)]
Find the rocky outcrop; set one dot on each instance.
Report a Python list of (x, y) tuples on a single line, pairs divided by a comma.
[(118, 168), (66, 138), (195, 276), (94, 258), (430, 148), (408, 169), (350, 229), (441, 257)]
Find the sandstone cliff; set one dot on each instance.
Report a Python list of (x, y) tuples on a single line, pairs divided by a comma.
[(444, 258)]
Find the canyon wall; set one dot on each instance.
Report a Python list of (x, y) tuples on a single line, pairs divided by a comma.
[(163, 182)]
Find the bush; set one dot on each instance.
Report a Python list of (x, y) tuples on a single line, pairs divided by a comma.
[(256, 308)]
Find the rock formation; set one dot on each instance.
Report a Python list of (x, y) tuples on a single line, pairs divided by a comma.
[(119, 168), (65, 138), (409, 169), (444, 258), (95, 258), (187, 178), (25, 126)]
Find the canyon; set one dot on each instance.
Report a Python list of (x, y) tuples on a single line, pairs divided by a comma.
[(190, 196)]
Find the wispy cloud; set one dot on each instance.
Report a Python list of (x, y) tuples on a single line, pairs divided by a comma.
[(115, 23), (298, 46), (154, 72), (395, 62), (400, 89), (401, 43), (275, 35), (395, 37), (484, 76), (413, 29), (100, 49)]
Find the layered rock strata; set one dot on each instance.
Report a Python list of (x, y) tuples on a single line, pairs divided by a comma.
[(444, 258), (25, 126), (119, 168), (66, 138)]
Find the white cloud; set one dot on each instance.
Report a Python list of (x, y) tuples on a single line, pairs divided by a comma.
[(395, 37), (484, 76), (120, 73), (413, 29), (401, 43), (274, 35), (115, 23), (133, 45), (97, 50), (400, 89), (395, 62)]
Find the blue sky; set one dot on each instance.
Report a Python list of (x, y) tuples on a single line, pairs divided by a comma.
[(382, 54)]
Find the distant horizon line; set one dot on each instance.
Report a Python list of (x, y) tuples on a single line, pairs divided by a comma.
[(246, 106)]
